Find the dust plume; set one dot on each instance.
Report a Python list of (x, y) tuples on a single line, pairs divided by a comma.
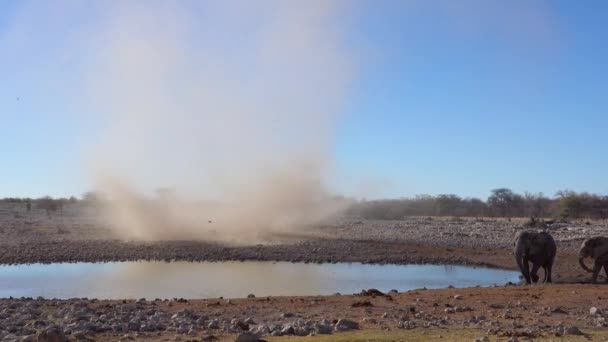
[(228, 106)]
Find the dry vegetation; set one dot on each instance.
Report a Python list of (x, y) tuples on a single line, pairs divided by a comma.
[(566, 205)]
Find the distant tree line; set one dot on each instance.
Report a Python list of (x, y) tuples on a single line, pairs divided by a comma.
[(502, 202), (46, 203), (39, 199), (90, 196)]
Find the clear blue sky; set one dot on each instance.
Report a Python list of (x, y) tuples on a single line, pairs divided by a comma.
[(454, 98)]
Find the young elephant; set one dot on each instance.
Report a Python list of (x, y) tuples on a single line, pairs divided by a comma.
[(596, 248), (538, 248)]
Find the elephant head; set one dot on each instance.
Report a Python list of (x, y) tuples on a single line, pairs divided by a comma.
[(526, 243), (592, 248)]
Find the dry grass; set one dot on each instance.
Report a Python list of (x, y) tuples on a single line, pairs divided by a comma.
[(423, 335)]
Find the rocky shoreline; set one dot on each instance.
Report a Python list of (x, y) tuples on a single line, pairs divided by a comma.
[(315, 251)]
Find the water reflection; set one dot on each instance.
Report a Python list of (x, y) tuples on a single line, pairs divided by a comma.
[(230, 279)]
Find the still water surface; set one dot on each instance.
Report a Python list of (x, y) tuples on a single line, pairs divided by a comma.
[(231, 279)]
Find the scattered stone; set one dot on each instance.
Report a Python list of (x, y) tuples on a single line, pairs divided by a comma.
[(405, 324), (214, 324), (559, 310), (247, 337), (369, 320), (574, 331), (371, 292), (458, 297), (52, 334), (600, 321), (287, 330), (595, 311), (322, 328), (238, 324), (365, 303), (346, 325), (261, 330)]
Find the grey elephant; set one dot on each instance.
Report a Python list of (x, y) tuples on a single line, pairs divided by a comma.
[(539, 248), (596, 248)]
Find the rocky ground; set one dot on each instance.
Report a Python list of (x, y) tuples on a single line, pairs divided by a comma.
[(78, 234), (506, 313)]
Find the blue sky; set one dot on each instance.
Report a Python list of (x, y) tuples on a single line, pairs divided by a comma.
[(449, 99)]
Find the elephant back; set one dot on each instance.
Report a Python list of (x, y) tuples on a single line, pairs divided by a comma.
[(536, 243)]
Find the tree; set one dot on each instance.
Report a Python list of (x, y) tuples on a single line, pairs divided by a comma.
[(475, 207), (505, 202), (570, 204), (49, 205), (536, 205), (448, 204)]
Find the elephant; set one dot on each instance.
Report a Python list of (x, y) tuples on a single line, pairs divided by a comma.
[(596, 248), (538, 248)]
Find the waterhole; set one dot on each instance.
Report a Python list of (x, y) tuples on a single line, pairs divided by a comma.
[(231, 279)]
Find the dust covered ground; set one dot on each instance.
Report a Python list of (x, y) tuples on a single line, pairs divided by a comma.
[(565, 310)]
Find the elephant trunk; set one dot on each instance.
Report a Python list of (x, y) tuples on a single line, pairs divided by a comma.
[(581, 261), (519, 255)]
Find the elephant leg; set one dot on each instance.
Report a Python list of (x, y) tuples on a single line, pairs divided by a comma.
[(534, 272), (548, 270), (597, 267), (526, 271)]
